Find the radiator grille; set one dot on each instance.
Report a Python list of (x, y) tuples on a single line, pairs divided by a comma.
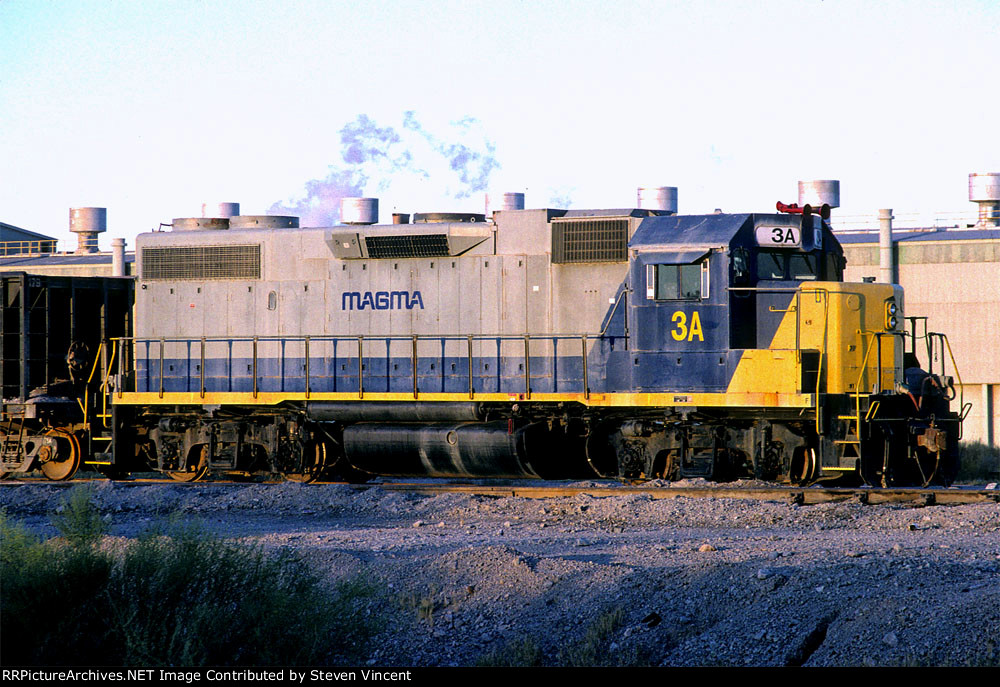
[(408, 246), (603, 240), (201, 262)]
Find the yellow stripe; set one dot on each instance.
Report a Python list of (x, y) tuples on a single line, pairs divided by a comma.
[(596, 400)]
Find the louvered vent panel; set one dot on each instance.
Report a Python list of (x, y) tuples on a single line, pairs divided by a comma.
[(201, 262), (408, 246), (604, 240)]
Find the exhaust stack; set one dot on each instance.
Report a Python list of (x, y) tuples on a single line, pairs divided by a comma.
[(984, 190), (662, 198), (87, 223)]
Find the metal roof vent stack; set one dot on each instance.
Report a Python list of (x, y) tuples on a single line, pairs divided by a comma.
[(820, 193), (662, 198), (118, 257), (199, 223), (263, 222), (87, 223), (513, 201), (886, 262), (224, 210), (359, 210), (984, 190), (446, 217), (400, 218)]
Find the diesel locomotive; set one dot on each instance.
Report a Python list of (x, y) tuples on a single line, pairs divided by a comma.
[(539, 343)]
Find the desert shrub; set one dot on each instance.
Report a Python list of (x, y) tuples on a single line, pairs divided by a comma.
[(52, 608), (520, 653), (78, 519), (176, 596), (979, 462), (596, 647)]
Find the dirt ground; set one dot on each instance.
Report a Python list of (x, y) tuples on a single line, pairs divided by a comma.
[(622, 580)]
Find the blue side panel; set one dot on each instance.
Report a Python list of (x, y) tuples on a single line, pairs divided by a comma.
[(771, 309), (693, 371), (679, 345), (619, 372), (434, 374)]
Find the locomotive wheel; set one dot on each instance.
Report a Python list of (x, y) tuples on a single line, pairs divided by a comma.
[(317, 452), (804, 468), (193, 473), (600, 452), (187, 476), (62, 463)]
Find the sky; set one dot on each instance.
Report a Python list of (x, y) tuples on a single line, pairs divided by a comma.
[(152, 108)]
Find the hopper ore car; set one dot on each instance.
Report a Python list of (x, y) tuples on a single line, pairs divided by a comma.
[(542, 343), (56, 334)]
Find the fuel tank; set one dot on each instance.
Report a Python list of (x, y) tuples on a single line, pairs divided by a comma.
[(461, 449)]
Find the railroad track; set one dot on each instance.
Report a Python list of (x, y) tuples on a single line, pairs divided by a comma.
[(796, 495)]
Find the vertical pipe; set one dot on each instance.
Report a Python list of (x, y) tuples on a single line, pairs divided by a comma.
[(527, 368), (255, 367), (472, 391), (361, 367), (878, 368), (120, 382), (201, 369), (161, 367), (886, 266), (987, 405), (48, 328), (118, 257), (413, 353), (307, 367), (23, 347)]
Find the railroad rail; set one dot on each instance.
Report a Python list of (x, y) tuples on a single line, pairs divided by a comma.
[(792, 495)]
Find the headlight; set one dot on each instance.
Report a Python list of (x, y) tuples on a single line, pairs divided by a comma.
[(890, 315)]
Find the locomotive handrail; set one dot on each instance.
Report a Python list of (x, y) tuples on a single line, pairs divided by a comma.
[(354, 337), (201, 370), (954, 365), (874, 343), (414, 339), (611, 316)]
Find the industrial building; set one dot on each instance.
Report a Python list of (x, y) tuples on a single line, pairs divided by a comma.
[(27, 251), (952, 277), (18, 241)]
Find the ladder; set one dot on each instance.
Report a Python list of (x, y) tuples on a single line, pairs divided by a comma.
[(10, 449)]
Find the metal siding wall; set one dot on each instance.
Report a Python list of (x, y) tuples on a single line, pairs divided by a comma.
[(513, 275), (539, 306), (449, 313), (581, 293), (241, 317), (470, 295), (490, 304), (405, 275), (359, 279), (190, 312)]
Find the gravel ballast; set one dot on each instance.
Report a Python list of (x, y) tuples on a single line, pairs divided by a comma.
[(624, 580)]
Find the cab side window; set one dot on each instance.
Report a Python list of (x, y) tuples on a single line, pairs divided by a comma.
[(674, 282)]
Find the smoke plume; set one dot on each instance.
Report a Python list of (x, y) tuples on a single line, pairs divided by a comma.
[(375, 159)]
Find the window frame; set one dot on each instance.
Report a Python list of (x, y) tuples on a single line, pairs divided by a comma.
[(653, 276)]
